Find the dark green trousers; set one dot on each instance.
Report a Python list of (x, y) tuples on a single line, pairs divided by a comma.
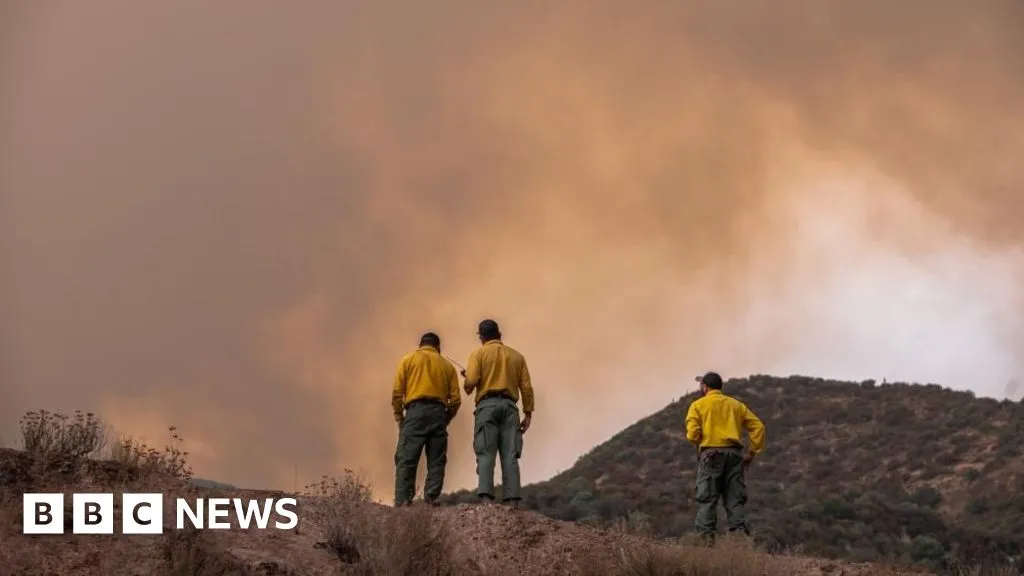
[(496, 434), (425, 428), (720, 476)]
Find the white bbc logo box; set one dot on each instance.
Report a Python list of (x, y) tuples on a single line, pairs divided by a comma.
[(93, 514), (144, 513)]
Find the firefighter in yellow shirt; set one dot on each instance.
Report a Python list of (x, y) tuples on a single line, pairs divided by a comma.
[(715, 424), (425, 398), (499, 376)]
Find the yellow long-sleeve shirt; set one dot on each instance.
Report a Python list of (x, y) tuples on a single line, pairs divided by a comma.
[(424, 374), (495, 367), (718, 421)]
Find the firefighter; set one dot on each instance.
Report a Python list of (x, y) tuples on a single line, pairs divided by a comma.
[(715, 424), (499, 376), (425, 398)]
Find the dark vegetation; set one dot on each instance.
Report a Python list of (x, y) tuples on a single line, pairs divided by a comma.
[(912, 474), (857, 471), (341, 532)]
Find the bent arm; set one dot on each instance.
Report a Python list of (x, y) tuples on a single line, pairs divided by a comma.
[(694, 433), (472, 372), (755, 428)]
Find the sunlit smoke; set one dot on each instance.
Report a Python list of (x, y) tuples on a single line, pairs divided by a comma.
[(236, 219)]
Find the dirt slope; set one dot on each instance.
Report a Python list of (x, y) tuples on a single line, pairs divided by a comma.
[(851, 471), (462, 539)]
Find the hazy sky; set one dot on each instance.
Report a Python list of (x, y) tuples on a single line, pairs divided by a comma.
[(236, 216)]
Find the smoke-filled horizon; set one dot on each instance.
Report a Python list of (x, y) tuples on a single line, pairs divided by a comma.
[(235, 218)]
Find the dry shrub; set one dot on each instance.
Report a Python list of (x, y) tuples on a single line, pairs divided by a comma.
[(730, 557), (371, 540), (350, 488), (137, 458), (58, 443), (189, 552), (406, 542), (636, 523)]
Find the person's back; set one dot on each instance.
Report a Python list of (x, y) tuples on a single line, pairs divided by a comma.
[(425, 398), (428, 376), (502, 372), (723, 419), (715, 423), (499, 376)]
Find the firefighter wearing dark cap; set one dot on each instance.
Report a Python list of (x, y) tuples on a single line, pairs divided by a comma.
[(499, 377), (425, 398), (715, 424)]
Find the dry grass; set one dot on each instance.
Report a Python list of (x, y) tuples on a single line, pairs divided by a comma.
[(738, 557), (343, 531), (635, 523), (369, 540), (190, 553), (730, 557), (135, 458), (407, 542)]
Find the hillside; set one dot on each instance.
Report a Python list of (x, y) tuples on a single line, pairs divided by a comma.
[(856, 471), (342, 532)]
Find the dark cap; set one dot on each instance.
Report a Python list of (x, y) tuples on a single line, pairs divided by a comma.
[(711, 380), (488, 329)]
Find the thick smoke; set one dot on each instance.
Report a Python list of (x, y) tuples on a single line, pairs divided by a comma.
[(235, 217)]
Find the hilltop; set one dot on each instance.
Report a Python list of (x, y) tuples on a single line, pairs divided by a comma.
[(856, 471), (340, 530)]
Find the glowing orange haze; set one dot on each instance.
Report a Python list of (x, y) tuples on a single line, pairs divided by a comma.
[(235, 217)]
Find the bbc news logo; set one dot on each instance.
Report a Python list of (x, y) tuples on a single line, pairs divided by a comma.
[(144, 513)]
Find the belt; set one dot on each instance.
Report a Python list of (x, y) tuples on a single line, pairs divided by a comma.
[(496, 394), (728, 449), (426, 401)]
